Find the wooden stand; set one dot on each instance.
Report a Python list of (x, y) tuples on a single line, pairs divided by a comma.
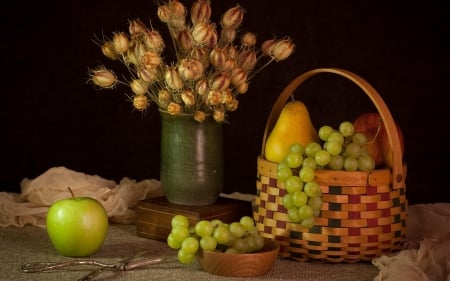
[(153, 216)]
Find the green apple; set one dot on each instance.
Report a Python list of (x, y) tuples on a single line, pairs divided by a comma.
[(77, 226)]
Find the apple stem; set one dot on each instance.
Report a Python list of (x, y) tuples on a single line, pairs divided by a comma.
[(376, 134), (71, 192)]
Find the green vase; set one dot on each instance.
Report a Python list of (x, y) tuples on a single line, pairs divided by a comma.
[(191, 159)]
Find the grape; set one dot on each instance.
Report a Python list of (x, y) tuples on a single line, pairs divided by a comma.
[(283, 173), (336, 136), (190, 245), (241, 245), (353, 149), (248, 223), (309, 222), (208, 243), (351, 163), (236, 237), (293, 184), (259, 241), (184, 257), (287, 201), (293, 215), (222, 234), (299, 198), (309, 162), (306, 174), (294, 159), (179, 220), (340, 149), (333, 147), (312, 148), (324, 132), (173, 242), (366, 163), (322, 157), (312, 189), (336, 162), (180, 233), (237, 229), (359, 138), (216, 222), (346, 128), (305, 212), (297, 148), (315, 203), (204, 228), (232, 250)]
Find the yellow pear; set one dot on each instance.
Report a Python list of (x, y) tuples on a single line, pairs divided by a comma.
[(293, 126)]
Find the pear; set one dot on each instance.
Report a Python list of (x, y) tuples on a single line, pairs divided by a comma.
[(293, 126)]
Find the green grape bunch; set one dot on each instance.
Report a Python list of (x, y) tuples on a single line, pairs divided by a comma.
[(341, 149), (213, 235)]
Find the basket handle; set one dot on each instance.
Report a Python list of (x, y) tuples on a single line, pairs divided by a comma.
[(394, 140)]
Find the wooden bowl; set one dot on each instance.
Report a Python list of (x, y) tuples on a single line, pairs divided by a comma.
[(240, 265)]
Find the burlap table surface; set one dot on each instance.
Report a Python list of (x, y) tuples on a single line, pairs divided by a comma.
[(20, 245)]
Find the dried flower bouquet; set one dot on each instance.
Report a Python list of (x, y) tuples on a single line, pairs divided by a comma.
[(210, 72)]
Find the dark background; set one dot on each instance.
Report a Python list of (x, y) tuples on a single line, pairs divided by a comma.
[(50, 117)]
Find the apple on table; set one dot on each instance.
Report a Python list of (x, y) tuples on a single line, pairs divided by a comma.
[(77, 226)]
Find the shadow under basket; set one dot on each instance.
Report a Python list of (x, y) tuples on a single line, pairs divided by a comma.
[(364, 213)]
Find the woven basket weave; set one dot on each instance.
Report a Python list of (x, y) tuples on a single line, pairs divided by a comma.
[(364, 213)]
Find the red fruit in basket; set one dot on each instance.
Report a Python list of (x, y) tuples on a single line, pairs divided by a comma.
[(371, 124)]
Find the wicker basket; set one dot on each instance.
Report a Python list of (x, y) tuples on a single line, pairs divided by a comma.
[(364, 213)]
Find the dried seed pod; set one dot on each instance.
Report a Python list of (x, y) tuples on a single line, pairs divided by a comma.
[(173, 79), (164, 98), (200, 116), (238, 76), (148, 75), (140, 102), (185, 40), (138, 86), (137, 28), (219, 115), (121, 42), (164, 13), (201, 87), (227, 96), (227, 35), (214, 97), (247, 59), (151, 59), (228, 65), (220, 81), (233, 17), (108, 50), (232, 105), (248, 39), (201, 54), (190, 69), (201, 11), (283, 49), (177, 13), (205, 34), (103, 77), (217, 56), (242, 88), (267, 47), (174, 108), (153, 41), (232, 52), (188, 97)]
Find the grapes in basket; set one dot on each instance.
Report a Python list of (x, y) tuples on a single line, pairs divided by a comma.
[(340, 149), (213, 235)]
